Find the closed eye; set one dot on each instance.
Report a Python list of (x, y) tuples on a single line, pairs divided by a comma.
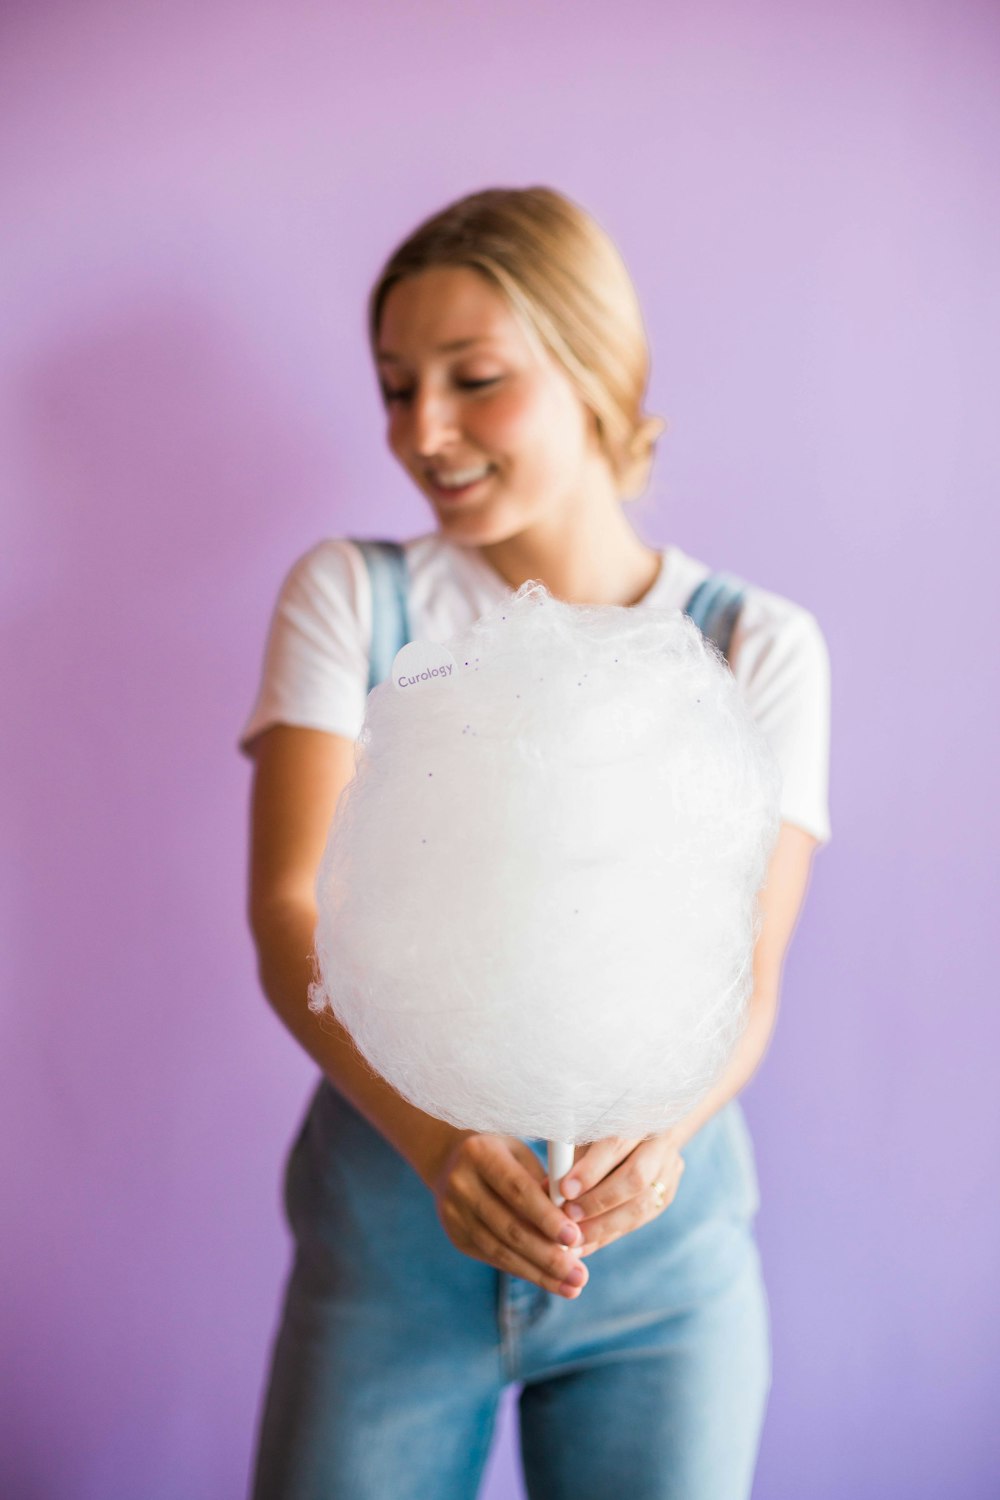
[(467, 385)]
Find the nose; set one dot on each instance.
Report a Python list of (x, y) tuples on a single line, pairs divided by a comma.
[(433, 422)]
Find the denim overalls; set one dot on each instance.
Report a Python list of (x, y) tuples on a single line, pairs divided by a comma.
[(395, 1347)]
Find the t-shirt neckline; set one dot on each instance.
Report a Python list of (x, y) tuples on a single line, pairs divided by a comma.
[(499, 586)]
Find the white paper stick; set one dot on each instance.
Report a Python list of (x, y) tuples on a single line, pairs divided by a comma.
[(560, 1160)]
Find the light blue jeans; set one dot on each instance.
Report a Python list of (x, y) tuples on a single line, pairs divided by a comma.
[(394, 1347)]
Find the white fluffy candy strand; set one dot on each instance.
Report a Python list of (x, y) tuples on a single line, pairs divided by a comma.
[(538, 897)]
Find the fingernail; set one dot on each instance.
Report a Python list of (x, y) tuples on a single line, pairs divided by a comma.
[(571, 1188), (575, 1211), (568, 1235)]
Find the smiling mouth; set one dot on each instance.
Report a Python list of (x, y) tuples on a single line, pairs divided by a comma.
[(450, 494)]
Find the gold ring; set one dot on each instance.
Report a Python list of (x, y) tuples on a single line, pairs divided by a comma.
[(661, 1193)]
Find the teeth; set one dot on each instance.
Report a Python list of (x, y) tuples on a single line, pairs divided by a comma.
[(455, 481)]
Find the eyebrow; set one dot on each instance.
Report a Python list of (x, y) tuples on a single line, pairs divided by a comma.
[(385, 356)]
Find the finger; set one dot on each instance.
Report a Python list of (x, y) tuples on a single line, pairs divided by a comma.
[(596, 1161), (559, 1272), (603, 1228), (508, 1166), (519, 1235), (525, 1156), (634, 1171)]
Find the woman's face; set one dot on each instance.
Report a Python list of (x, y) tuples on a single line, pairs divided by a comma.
[(495, 404)]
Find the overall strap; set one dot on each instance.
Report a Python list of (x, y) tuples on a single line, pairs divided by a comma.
[(386, 562), (715, 606)]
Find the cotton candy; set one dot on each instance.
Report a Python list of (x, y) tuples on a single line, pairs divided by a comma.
[(537, 904)]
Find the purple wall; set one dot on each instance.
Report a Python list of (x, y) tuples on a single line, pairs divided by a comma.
[(196, 199)]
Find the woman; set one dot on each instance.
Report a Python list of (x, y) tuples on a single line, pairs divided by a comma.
[(431, 1266)]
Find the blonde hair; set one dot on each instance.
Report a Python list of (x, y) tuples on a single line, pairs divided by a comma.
[(564, 278)]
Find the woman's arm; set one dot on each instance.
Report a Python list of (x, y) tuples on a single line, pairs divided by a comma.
[(780, 903), (298, 778)]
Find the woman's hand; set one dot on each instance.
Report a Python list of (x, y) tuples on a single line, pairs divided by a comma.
[(610, 1186), (489, 1197)]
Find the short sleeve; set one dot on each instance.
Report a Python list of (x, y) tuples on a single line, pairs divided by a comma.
[(780, 658), (315, 670)]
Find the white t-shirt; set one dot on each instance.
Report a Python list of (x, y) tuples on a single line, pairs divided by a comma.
[(316, 664)]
